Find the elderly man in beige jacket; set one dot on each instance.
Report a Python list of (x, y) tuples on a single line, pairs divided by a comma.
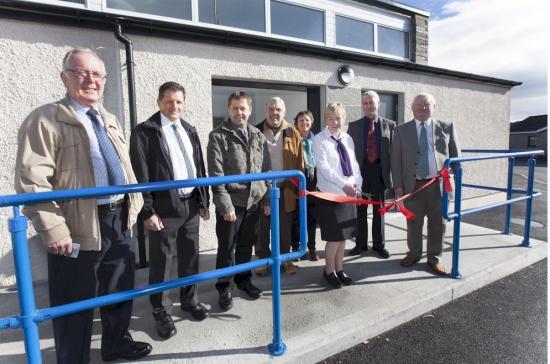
[(69, 144)]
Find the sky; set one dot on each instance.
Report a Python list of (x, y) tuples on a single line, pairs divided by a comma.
[(499, 38)]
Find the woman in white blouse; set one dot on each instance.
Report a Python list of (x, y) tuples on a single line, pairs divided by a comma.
[(337, 172)]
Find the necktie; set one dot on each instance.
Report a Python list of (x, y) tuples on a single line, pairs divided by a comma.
[(372, 148), (422, 164), (244, 135), (344, 157), (110, 155), (186, 157)]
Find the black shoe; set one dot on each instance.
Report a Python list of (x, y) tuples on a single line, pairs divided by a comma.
[(251, 290), (137, 351), (312, 255), (198, 311), (357, 250), (226, 298), (165, 325), (344, 278), (382, 252), (332, 279)]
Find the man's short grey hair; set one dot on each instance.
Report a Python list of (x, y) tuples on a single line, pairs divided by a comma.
[(424, 96), (78, 50), (372, 94), (275, 99)]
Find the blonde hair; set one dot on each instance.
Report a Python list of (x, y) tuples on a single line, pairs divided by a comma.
[(337, 108)]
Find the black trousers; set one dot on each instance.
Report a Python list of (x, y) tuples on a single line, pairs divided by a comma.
[(235, 242), (94, 273), (373, 184), (177, 243), (311, 224)]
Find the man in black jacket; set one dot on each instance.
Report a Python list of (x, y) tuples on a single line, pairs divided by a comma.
[(372, 136), (163, 148)]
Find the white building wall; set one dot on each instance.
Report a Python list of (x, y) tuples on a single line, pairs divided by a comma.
[(31, 53)]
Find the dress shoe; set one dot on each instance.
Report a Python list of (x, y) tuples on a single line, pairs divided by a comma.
[(438, 268), (198, 311), (261, 271), (226, 298), (312, 255), (165, 325), (289, 268), (137, 351), (409, 260), (357, 250), (251, 290), (381, 251), (332, 279), (344, 278)]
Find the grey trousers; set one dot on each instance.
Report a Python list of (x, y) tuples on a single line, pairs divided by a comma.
[(426, 203)]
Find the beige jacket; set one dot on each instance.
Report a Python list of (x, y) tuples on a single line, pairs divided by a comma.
[(54, 154)]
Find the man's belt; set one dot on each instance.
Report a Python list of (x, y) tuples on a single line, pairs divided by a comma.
[(111, 206)]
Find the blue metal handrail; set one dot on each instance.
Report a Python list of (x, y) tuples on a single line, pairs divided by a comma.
[(30, 317), (458, 214)]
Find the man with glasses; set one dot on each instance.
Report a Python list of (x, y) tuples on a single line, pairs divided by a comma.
[(419, 149), (69, 144)]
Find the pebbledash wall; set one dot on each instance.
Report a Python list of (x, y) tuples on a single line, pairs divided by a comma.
[(31, 53)]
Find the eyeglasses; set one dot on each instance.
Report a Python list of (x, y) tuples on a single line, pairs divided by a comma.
[(81, 74)]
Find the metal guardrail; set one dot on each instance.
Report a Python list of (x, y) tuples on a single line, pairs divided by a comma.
[(30, 316), (528, 195)]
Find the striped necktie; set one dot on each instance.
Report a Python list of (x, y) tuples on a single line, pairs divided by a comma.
[(186, 157), (110, 155)]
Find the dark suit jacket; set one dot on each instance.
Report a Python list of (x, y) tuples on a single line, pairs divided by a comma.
[(151, 163), (356, 131)]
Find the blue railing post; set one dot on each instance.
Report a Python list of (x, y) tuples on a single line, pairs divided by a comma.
[(530, 186), (456, 227), (277, 347), (511, 162), (23, 274)]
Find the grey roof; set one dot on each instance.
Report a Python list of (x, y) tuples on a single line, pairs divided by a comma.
[(395, 6), (532, 124)]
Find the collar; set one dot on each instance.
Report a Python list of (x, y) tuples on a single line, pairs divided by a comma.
[(375, 120), (78, 107), (165, 122), (427, 122)]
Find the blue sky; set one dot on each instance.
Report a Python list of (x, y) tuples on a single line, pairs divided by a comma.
[(499, 38)]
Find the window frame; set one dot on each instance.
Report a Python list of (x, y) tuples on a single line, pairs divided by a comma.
[(307, 6), (393, 55)]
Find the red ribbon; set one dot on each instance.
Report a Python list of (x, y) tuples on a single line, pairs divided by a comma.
[(444, 174)]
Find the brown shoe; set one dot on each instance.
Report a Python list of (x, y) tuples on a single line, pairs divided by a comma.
[(289, 268), (409, 260), (438, 268), (261, 271), (312, 255)]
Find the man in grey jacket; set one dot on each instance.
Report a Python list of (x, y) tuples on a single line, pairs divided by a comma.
[(76, 143), (419, 149), (235, 147)]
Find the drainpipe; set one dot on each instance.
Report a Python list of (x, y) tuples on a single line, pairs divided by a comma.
[(130, 71), (141, 234)]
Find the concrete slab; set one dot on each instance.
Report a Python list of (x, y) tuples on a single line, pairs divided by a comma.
[(317, 321)]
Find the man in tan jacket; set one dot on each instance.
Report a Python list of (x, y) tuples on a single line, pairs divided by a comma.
[(285, 152), (69, 144)]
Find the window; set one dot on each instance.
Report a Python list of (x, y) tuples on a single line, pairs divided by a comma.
[(393, 41), (354, 33), (532, 141), (244, 14), (180, 9), (297, 21)]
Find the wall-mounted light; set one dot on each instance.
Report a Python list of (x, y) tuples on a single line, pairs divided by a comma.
[(345, 74)]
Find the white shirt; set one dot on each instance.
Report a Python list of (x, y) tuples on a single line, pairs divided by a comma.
[(431, 151), (329, 169), (101, 175), (275, 147), (176, 155)]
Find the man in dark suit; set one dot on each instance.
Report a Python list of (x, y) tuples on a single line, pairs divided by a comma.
[(419, 149), (372, 136), (164, 148)]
